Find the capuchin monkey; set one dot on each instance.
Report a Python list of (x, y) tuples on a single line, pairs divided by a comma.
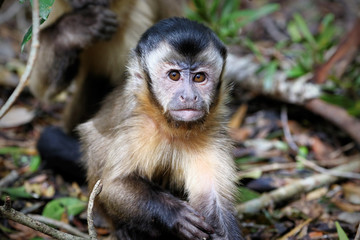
[(159, 144), (85, 44)]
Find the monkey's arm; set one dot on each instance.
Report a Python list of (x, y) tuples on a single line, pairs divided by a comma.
[(144, 206), (211, 189), (62, 42)]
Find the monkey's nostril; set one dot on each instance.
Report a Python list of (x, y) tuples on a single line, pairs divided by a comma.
[(196, 98), (182, 98)]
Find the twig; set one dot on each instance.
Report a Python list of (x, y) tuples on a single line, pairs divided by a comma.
[(337, 116), (29, 66), (357, 236), (10, 213), (296, 230), (288, 137), (297, 187), (349, 45), (90, 216), (243, 71), (10, 178), (267, 168), (60, 225), (319, 169)]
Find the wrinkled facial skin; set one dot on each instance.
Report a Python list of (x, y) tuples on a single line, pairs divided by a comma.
[(184, 86)]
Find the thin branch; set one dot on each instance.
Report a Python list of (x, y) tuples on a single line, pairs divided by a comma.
[(291, 190), (357, 236), (267, 168), (336, 115), (29, 66), (60, 225), (90, 216), (10, 178), (296, 229), (319, 169), (10, 213), (288, 137)]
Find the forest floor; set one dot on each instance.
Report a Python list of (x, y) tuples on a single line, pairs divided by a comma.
[(277, 145)]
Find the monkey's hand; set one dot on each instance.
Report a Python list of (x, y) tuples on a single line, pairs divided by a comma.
[(188, 224), (83, 27)]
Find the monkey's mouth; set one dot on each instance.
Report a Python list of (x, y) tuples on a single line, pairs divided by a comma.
[(186, 115)]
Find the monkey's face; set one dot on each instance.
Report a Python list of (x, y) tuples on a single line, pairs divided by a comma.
[(184, 86)]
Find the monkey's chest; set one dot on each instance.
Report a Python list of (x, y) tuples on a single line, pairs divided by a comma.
[(167, 181)]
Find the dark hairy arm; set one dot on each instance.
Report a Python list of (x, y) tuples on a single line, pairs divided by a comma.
[(146, 207)]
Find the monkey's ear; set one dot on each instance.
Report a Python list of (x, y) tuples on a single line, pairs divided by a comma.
[(134, 66)]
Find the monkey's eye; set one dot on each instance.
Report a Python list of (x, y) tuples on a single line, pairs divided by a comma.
[(199, 77), (174, 75)]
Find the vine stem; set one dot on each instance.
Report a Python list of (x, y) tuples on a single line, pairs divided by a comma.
[(30, 63)]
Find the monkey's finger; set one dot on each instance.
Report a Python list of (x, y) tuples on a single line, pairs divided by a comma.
[(108, 30), (110, 16), (190, 232), (199, 223)]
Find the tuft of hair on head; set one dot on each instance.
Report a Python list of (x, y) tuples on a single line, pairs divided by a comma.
[(186, 36)]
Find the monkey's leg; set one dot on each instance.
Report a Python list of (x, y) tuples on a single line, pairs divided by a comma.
[(61, 43), (140, 205)]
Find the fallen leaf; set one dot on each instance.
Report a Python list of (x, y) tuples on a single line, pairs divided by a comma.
[(352, 218), (17, 116), (352, 192)]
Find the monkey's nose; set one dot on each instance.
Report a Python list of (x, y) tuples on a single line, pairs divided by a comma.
[(186, 98)]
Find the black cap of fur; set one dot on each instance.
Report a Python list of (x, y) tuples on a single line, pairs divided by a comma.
[(187, 37)]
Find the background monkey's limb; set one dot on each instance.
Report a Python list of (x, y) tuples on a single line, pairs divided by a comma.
[(76, 4), (61, 44), (153, 210)]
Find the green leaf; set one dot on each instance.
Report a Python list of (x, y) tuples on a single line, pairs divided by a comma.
[(303, 151), (26, 38), (253, 15), (16, 192), (45, 8), (245, 194), (327, 21), (55, 208), (5, 229), (37, 238), (338, 100), (355, 109), (341, 232), (44, 11), (11, 150), (213, 8), (299, 20), (252, 46), (294, 32), (296, 71), (270, 71), (35, 163)]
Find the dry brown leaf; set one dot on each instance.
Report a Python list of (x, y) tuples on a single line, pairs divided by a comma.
[(17, 116), (352, 192)]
